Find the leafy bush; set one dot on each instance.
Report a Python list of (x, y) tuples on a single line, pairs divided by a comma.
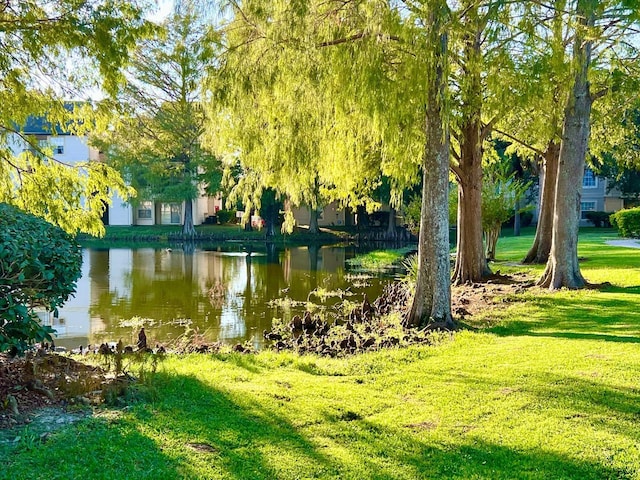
[(499, 194), (412, 214), (39, 265), (599, 219), (225, 216), (627, 222)]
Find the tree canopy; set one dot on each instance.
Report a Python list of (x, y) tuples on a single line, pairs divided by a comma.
[(49, 46), (159, 119)]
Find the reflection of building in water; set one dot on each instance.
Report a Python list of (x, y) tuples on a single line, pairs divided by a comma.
[(170, 286), (72, 321)]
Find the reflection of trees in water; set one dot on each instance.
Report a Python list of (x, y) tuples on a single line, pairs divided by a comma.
[(164, 285), (159, 285)]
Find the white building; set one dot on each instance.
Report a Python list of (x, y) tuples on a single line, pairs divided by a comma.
[(72, 149)]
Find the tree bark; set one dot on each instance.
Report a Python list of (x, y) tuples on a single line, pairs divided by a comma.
[(562, 268), (432, 299), (471, 263), (188, 229), (247, 226), (516, 219), (391, 227), (271, 219), (362, 221), (313, 221), (491, 237), (539, 251)]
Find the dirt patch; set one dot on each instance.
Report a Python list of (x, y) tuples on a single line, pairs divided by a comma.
[(42, 380), (422, 426), (468, 300)]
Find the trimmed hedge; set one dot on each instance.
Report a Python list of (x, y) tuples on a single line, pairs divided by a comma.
[(225, 216), (627, 222)]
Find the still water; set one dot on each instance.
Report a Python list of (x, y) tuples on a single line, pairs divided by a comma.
[(229, 293)]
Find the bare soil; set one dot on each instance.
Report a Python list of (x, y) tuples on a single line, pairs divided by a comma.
[(47, 380), (468, 300)]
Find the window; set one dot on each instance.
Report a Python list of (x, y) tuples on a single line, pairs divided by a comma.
[(144, 210), (586, 207), (589, 179), (170, 213), (57, 145)]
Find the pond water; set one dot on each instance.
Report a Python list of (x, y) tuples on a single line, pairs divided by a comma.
[(228, 293)]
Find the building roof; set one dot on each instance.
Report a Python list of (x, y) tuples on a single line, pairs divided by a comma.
[(39, 125)]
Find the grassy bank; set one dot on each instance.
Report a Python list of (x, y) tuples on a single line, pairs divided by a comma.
[(380, 259), (158, 235), (546, 389)]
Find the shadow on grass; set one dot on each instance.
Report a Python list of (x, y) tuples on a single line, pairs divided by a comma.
[(247, 362), (580, 396), (96, 449), (245, 439), (254, 441), (601, 316)]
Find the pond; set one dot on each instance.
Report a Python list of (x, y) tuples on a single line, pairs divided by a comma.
[(227, 293)]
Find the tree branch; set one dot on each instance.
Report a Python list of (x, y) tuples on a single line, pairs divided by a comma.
[(521, 142), (487, 128), (357, 36), (456, 171)]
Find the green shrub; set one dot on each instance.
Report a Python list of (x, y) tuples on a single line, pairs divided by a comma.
[(225, 216), (599, 219), (39, 265), (627, 222)]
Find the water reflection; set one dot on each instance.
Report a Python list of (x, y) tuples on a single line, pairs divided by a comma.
[(223, 292)]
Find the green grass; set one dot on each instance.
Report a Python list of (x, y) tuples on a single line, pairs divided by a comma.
[(379, 259), (549, 390)]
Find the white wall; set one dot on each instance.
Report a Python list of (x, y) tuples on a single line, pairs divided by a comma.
[(120, 213)]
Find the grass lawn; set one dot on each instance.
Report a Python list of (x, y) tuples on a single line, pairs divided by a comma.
[(549, 388)]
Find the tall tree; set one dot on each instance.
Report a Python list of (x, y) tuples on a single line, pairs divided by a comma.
[(482, 64), (358, 79), (562, 268), (40, 39), (591, 22), (432, 298), (157, 143)]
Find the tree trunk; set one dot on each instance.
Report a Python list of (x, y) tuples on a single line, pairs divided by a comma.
[(362, 221), (471, 263), (539, 251), (432, 299), (392, 234), (562, 268), (247, 226), (188, 229), (313, 221), (516, 219), (491, 237), (271, 219)]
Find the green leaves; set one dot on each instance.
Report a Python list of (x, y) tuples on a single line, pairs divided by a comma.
[(159, 121), (50, 50), (39, 265)]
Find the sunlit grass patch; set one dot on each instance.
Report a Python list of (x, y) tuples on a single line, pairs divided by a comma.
[(379, 259), (546, 388)]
